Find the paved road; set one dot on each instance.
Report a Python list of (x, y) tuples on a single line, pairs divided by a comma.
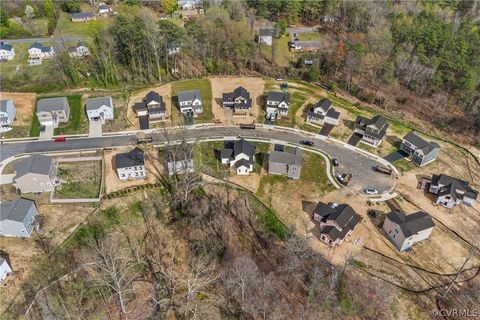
[(359, 164), (32, 40)]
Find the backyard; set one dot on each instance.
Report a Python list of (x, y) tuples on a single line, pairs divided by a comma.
[(203, 85), (67, 28), (79, 180)]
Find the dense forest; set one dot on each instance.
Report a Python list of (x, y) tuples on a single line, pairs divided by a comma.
[(423, 56)]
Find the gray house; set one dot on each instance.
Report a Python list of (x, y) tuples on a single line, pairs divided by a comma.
[(17, 217), (82, 16), (336, 221), (36, 173), (406, 230), (265, 36), (51, 112), (287, 163), (152, 106), (190, 102), (322, 113), (420, 151), (239, 100), (277, 104), (451, 191), (7, 114), (373, 130)]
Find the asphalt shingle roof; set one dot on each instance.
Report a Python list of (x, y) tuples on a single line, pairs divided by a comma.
[(5, 46), (278, 96), (421, 144), (413, 223), (15, 210), (36, 163), (52, 104), (294, 156), (343, 215), (82, 15), (451, 185), (189, 95), (95, 103), (130, 159)]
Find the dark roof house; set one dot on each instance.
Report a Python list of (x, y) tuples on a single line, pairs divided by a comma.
[(451, 191), (239, 99), (419, 150), (130, 159), (337, 221), (406, 230)]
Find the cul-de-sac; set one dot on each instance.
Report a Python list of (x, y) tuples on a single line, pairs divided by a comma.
[(241, 159)]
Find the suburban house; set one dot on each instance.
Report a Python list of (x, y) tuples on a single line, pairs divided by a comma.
[(152, 105), (52, 111), (287, 163), (337, 221), (265, 36), (277, 104), (406, 230), (7, 52), (34, 174), (17, 217), (99, 109), (373, 130), (5, 269), (451, 191), (420, 151), (239, 100), (310, 46), (189, 4), (82, 16), (79, 51), (103, 9), (131, 165), (190, 102), (240, 154), (7, 115), (180, 162), (38, 51), (323, 112), (191, 13)]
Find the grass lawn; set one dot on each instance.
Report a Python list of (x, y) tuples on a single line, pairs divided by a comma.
[(79, 180), (205, 160), (403, 165), (296, 101), (66, 27), (205, 91), (309, 36), (283, 57), (309, 128), (77, 123)]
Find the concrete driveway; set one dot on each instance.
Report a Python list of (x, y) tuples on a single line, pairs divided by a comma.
[(95, 128), (47, 134)]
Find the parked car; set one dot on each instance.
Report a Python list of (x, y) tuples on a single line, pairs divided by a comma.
[(335, 162), (60, 139), (371, 191), (42, 128), (306, 142)]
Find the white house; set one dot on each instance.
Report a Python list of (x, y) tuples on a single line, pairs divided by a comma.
[(277, 104), (7, 115), (38, 51), (103, 8), (451, 191), (53, 111), (406, 230), (7, 52), (100, 109), (239, 154), (79, 51), (190, 102), (323, 112), (131, 165), (265, 36), (5, 269)]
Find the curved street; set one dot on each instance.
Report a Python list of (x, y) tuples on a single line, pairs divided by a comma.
[(359, 164)]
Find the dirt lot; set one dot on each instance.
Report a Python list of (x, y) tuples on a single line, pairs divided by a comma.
[(24, 105), (164, 90), (112, 183), (253, 85), (80, 179)]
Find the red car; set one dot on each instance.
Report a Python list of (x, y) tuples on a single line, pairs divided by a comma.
[(59, 139)]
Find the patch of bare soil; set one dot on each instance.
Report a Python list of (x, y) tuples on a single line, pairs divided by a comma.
[(254, 86), (113, 183), (250, 182), (24, 105)]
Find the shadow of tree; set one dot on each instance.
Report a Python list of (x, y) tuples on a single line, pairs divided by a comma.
[(394, 141)]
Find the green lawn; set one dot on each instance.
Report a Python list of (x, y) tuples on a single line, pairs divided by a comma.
[(66, 27), (205, 91), (403, 165), (309, 36), (205, 160), (267, 219), (296, 101), (283, 57), (79, 180)]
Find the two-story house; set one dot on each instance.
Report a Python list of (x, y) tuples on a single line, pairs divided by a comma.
[(406, 230), (238, 101), (373, 130), (322, 113), (7, 52), (79, 51), (100, 108), (7, 115), (34, 174), (451, 191), (420, 151), (287, 163), (337, 221), (39, 51), (131, 165), (151, 106), (277, 104), (53, 111), (17, 217), (240, 154), (190, 102)]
